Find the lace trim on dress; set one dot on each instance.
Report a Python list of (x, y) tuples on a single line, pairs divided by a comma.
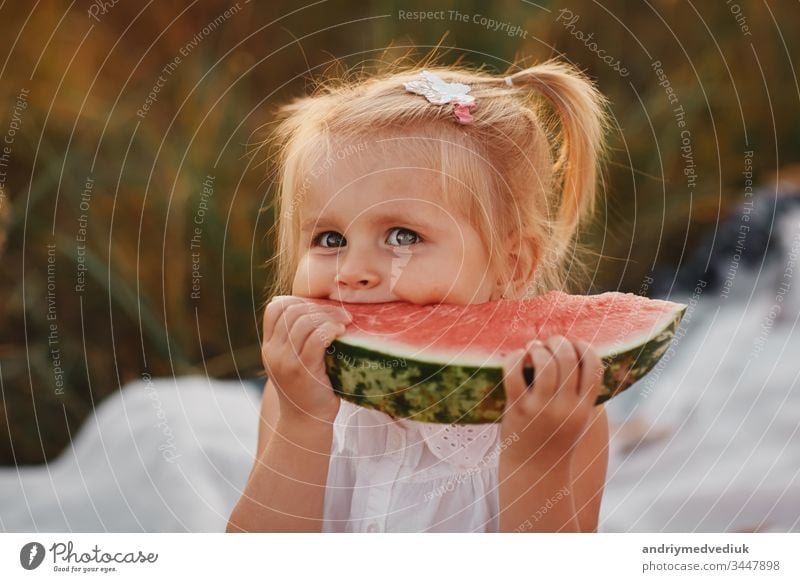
[(461, 445)]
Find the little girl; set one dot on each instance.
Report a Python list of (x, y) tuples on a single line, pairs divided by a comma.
[(430, 186)]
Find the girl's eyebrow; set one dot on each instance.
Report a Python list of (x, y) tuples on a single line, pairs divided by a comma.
[(376, 217)]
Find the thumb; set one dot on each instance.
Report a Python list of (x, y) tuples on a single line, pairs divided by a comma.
[(513, 380)]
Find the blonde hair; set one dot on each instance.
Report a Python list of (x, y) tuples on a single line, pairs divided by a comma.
[(525, 178)]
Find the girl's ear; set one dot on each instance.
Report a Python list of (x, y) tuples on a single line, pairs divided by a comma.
[(522, 259)]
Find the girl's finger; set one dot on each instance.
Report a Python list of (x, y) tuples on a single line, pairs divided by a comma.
[(513, 379), (320, 313), (315, 328), (568, 359), (545, 369), (319, 339), (285, 321), (273, 313), (302, 328), (591, 371)]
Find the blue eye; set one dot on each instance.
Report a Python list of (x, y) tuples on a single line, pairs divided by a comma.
[(398, 236), (404, 236), (323, 236)]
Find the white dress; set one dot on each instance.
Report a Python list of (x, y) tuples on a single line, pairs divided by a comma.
[(399, 475)]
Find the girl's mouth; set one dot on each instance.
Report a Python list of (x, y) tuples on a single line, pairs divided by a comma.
[(354, 300)]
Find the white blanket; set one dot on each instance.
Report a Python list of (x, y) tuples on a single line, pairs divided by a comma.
[(717, 428), (167, 456)]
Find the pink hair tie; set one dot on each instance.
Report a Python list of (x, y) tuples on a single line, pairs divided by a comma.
[(462, 112), (439, 92)]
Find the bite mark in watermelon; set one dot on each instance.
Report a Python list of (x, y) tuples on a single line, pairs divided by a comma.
[(443, 363)]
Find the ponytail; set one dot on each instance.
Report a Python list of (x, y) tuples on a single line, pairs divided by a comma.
[(581, 111)]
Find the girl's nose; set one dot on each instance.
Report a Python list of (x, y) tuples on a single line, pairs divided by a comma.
[(357, 271)]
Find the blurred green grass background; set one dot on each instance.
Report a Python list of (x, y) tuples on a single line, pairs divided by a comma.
[(88, 71)]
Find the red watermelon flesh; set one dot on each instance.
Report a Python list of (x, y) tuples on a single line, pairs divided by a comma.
[(442, 363), (482, 334)]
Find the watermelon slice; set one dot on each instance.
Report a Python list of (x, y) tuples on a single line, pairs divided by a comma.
[(443, 363)]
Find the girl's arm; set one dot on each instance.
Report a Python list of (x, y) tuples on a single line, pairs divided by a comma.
[(589, 470), (286, 488), (563, 496), (552, 476)]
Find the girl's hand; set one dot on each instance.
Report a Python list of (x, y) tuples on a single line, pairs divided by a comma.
[(296, 335), (549, 418)]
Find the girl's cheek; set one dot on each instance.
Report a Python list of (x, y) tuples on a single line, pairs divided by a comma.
[(450, 281), (312, 278), (423, 286)]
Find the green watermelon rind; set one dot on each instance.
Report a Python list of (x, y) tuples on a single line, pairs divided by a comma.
[(463, 394)]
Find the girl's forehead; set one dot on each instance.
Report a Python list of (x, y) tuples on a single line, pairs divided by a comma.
[(385, 193), (354, 174), (380, 198), (371, 177)]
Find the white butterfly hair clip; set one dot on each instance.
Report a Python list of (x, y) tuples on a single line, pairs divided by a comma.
[(439, 92)]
